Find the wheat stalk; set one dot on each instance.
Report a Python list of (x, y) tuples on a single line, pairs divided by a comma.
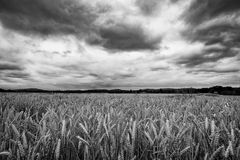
[(168, 128), (21, 150), (212, 127), (15, 131), (206, 123), (6, 153), (232, 134), (134, 128), (57, 150), (229, 150), (216, 139), (184, 150), (63, 128), (24, 138)]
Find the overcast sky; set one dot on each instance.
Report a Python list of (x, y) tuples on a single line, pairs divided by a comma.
[(88, 44)]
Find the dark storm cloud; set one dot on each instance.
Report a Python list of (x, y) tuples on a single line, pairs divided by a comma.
[(210, 23), (226, 36), (213, 21), (46, 16), (9, 66), (208, 55), (201, 10), (124, 37)]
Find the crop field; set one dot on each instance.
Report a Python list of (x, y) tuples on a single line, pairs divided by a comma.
[(119, 127)]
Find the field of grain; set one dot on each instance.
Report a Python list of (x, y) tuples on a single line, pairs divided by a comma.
[(119, 127)]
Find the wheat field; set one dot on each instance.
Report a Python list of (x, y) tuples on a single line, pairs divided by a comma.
[(119, 127)]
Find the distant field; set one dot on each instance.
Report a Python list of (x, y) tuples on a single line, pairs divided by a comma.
[(119, 127)]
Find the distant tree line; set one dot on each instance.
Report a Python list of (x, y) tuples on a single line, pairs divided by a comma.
[(212, 90)]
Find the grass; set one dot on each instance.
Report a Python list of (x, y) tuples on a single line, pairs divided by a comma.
[(119, 127)]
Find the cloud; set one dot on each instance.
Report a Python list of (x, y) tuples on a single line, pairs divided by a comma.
[(225, 35), (217, 71), (220, 42), (125, 37), (19, 75), (9, 66), (221, 29), (200, 10), (111, 77), (7, 80), (159, 68), (205, 56), (46, 17), (148, 7), (49, 74), (82, 19), (213, 23), (155, 43)]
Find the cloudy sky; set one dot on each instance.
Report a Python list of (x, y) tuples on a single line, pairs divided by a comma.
[(88, 44)]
